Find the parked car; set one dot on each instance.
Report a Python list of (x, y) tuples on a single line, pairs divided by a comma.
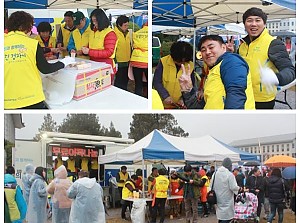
[(156, 50)]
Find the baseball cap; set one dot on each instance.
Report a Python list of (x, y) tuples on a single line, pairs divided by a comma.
[(77, 16)]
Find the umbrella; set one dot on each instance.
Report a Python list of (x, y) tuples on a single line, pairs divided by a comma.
[(280, 161), (251, 163), (283, 33), (289, 173)]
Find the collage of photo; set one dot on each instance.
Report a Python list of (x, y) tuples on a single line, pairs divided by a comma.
[(101, 124)]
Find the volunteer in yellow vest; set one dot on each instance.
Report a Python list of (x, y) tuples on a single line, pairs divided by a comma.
[(168, 72), (71, 167), (85, 164), (123, 51), (204, 184), (58, 161), (102, 40), (161, 187), (121, 178), (139, 58), (64, 33), (23, 59), (46, 41), (94, 168), (259, 47), (127, 192), (13, 194), (228, 84), (80, 36)]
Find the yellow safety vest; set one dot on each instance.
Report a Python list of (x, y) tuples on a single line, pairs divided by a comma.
[(66, 37), (22, 80), (214, 90), (59, 162), (81, 40), (96, 41), (71, 165), (207, 181), (140, 45), (161, 186), (156, 101), (126, 193), (84, 164), (52, 41), (170, 77), (122, 177), (255, 52), (94, 164), (123, 50), (12, 204)]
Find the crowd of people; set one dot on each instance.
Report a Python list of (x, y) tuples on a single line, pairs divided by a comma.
[(191, 186), (92, 38), (247, 79)]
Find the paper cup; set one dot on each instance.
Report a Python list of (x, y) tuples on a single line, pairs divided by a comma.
[(73, 55)]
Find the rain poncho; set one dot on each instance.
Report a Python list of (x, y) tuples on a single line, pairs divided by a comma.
[(29, 170), (225, 186), (61, 204), (87, 205), (37, 205), (19, 199)]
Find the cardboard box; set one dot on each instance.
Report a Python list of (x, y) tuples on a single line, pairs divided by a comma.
[(92, 82)]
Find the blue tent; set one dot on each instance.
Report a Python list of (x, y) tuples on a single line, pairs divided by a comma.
[(25, 4)]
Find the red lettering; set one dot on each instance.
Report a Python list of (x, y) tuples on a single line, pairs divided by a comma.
[(80, 152), (64, 152), (55, 150)]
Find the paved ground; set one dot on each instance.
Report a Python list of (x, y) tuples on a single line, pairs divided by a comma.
[(291, 99)]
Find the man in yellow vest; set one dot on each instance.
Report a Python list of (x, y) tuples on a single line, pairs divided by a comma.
[(71, 166), (64, 33), (259, 48), (161, 187), (84, 164), (139, 58), (58, 161), (80, 36), (168, 72), (127, 192), (228, 84), (121, 178), (123, 51), (94, 168)]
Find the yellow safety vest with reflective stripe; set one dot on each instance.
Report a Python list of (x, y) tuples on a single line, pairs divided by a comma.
[(122, 177), (161, 186), (126, 193), (81, 40), (170, 77), (71, 165), (215, 94), (12, 204), (140, 45), (22, 80), (254, 53), (66, 37), (123, 50), (51, 44)]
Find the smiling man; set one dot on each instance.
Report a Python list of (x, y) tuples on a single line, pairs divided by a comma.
[(259, 48), (228, 84)]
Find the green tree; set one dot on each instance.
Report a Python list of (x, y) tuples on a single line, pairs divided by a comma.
[(143, 124), (8, 149), (87, 124), (112, 132)]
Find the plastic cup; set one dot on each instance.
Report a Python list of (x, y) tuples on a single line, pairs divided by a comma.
[(73, 55)]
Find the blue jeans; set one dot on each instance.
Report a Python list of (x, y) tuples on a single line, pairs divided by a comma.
[(279, 208)]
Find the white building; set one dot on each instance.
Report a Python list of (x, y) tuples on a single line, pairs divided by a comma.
[(269, 146), (281, 25)]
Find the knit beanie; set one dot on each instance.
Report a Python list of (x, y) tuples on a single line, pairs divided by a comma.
[(227, 163)]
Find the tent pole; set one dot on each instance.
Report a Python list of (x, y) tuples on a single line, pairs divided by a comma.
[(143, 175), (194, 47)]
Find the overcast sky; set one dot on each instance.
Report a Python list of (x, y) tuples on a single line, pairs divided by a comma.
[(225, 127)]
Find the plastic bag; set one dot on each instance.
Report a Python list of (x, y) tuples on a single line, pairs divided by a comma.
[(268, 78), (138, 211)]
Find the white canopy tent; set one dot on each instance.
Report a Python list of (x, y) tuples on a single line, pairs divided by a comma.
[(81, 4), (160, 147)]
